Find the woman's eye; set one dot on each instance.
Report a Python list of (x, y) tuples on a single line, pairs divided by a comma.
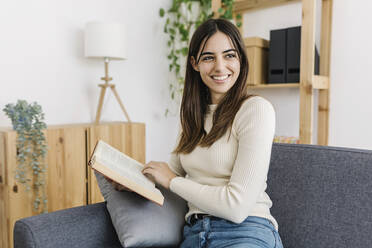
[(207, 58), (230, 55)]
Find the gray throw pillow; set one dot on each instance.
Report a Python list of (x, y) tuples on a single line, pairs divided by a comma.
[(141, 223)]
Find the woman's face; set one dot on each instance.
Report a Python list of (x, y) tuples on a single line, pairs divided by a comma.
[(219, 65)]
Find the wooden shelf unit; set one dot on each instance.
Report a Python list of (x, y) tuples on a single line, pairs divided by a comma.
[(308, 81)]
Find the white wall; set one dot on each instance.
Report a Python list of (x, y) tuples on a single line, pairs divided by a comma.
[(41, 47), (351, 94)]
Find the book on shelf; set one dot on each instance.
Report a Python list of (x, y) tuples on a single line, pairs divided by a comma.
[(123, 170)]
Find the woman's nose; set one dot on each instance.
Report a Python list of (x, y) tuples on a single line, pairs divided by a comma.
[(219, 64)]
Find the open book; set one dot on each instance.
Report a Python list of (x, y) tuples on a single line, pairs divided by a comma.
[(124, 170)]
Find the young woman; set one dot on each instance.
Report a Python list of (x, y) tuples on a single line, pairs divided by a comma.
[(221, 160)]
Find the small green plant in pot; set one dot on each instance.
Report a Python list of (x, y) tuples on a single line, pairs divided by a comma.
[(28, 122), (182, 18)]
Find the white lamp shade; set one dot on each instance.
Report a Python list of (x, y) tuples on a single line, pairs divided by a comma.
[(105, 40)]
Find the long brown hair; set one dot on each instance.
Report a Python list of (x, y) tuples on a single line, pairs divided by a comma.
[(196, 95)]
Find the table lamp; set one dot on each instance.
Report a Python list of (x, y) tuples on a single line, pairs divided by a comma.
[(105, 41)]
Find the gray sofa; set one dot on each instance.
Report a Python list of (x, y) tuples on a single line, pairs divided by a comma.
[(322, 197)]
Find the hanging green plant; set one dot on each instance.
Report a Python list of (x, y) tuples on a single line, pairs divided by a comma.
[(182, 18), (28, 122)]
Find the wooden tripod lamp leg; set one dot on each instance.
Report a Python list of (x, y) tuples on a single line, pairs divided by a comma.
[(120, 103), (101, 97)]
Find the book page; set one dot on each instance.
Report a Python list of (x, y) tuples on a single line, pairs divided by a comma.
[(122, 164)]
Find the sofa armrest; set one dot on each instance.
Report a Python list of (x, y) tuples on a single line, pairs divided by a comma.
[(81, 227)]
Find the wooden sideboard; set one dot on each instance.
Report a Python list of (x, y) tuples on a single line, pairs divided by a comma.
[(70, 182)]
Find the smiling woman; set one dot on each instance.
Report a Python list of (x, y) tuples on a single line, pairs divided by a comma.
[(222, 156)]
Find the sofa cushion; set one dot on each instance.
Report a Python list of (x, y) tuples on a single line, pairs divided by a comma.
[(141, 223), (322, 196)]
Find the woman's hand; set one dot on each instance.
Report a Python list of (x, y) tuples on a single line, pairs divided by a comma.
[(117, 186), (159, 172)]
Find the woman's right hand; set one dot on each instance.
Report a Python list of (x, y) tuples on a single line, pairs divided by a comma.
[(117, 186)]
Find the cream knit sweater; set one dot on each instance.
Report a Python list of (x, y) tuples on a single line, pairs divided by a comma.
[(228, 179)]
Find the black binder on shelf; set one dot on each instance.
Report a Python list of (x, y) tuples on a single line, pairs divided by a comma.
[(294, 55), (277, 56)]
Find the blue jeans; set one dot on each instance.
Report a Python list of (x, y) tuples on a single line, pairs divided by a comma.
[(210, 232)]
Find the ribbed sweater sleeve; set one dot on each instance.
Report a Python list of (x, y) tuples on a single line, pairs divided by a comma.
[(174, 161), (254, 127), (175, 165)]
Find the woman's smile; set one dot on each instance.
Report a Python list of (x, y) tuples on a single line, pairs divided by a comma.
[(220, 78)]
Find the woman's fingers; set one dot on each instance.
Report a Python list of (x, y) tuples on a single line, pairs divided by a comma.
[(159, 173), (153, 164), (148, 172)]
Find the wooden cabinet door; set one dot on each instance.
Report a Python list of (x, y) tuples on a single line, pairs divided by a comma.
[(128, 138), (66, 161)]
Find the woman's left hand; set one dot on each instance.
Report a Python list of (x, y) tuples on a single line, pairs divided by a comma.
[(159, 172)]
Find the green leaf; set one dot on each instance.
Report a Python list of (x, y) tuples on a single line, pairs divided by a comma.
[(172, 31), (228, 14), (220, 10), (185, 51), (161, 12)]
